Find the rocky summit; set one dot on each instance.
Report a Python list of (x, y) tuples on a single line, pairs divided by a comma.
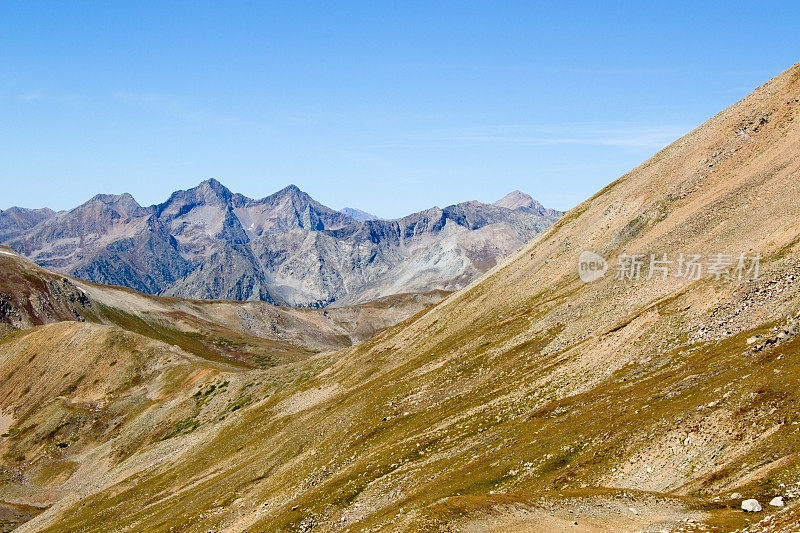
[(287, 248), (358, 214)]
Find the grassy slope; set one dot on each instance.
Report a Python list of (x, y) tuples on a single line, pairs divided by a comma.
[(80, 365)]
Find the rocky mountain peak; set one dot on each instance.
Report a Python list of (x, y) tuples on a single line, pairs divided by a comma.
[(19, 211), (113, 205), (521, 202), (212, 190), (15, 220), (291, 189), (291, 207), (209, 192), (298, 198), (515, 200), (359, 215)]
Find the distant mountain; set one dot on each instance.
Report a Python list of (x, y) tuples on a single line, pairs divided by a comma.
[(519, 201), (358, 214), (209, 243), (17, 220)]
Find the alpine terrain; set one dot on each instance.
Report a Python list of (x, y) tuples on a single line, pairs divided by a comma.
[(635, 367), (286, 248)]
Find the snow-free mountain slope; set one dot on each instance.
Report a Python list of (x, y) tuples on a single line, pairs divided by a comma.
[(209, 243), (17, 220)]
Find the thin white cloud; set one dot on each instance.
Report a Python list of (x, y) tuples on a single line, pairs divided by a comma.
[(164, 104), (40, 95), (194, 111), (34, 96), (620, 136)]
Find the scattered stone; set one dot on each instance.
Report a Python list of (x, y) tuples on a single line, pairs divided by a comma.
[(751, 506), (736, 496), (777, 501), (307, 525)]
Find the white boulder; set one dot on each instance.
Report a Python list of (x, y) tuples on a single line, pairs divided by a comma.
[(751, 506), (777, 501)]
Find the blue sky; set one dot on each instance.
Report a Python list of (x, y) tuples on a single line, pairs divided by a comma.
[(390, 107)]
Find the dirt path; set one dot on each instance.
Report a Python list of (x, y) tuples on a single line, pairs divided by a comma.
[(587, 515)]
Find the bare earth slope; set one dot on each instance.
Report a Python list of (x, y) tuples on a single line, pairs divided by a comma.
[(530, 401)]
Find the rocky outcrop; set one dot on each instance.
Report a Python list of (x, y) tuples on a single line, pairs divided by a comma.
[(29, 298)]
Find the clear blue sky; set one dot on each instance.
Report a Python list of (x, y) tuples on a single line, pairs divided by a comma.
[(390, 107)]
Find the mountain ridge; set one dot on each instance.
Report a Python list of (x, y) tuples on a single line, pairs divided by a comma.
[(285, 248)]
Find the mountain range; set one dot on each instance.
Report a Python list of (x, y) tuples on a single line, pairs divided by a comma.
[(287, 248)]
